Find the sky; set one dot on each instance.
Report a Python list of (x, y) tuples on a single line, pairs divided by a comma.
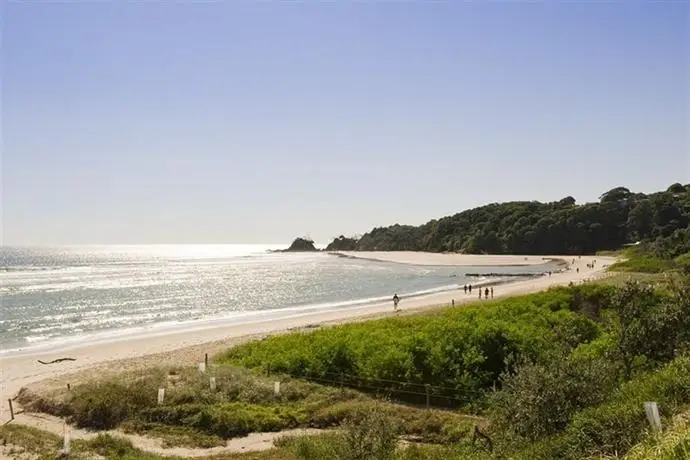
[(257, 122)]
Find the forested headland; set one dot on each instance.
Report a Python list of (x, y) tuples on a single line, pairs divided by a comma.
[(621, 217)]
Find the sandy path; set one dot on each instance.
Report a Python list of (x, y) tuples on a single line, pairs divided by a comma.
[(188, 347), (251, 443)]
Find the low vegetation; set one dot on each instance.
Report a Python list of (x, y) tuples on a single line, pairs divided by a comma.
[(194, 415), (460, 352), (561, 374), (28, 442), (673, 444)]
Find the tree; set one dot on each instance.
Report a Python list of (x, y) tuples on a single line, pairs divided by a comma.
[(640, 220), (650, 325), (615, 195), (676, 188), (567, 202)]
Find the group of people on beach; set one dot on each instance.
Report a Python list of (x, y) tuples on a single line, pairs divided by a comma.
[(487, 291), (468, 288)]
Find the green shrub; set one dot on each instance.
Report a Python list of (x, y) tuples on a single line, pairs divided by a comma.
[(369, 435), (103, 405), (650, 324), (320, 447), (111, 446), (539, 399), (227, 420), (433, 426), (643, 264), (463, 350), (683, 263), (616, 425)]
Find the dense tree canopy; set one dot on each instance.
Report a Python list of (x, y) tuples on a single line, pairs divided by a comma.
[(562, 227)]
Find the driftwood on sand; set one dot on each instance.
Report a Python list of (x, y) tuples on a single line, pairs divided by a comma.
[(57, 360)]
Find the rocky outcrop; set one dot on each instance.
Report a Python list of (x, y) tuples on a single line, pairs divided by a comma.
[(301, 245), (342, 243)]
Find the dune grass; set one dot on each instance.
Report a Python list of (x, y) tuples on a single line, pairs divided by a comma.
[(193, 415), (672, 444)]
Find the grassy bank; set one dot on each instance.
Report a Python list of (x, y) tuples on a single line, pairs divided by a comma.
[(561, 374), (645, 259), (194, 415), (459, 352)]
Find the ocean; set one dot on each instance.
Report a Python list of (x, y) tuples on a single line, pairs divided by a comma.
[(56, 295)]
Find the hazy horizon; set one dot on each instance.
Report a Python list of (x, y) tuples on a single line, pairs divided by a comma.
[(208, 123)]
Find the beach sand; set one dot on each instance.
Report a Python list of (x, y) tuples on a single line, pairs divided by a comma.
[(458, 260), (189, 347)]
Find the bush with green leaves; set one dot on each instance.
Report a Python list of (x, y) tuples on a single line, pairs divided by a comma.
[(617, 424), (650, 325), (539, 399), (463, 350), (368, 434)]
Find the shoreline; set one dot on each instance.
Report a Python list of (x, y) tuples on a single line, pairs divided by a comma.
[(189, 346), (453, 259), (484, 275)]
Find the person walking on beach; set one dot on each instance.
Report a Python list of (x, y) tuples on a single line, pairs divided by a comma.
[(492, 292), (465, 289), (470, 289), (486, 293), (480, 293), (396, 301)]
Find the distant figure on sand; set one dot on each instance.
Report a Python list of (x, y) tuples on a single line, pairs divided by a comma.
[(492, 292), (396, 301), (480, 293), (486, 293), (465, 289), (470, 289)]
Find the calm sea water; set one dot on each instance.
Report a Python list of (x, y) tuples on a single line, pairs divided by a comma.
[(58, 294)]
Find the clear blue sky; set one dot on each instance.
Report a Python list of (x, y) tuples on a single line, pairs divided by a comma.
[(181, 122)]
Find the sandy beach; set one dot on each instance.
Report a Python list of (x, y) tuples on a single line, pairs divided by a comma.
[(457, 260), (188, 347)]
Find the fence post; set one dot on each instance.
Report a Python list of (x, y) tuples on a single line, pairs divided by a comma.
[(212, 382), (11, 409), (161, 395), (206, 360), (652, 411), (268, 369), (66, 440), (276, 388), (428, 395)]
